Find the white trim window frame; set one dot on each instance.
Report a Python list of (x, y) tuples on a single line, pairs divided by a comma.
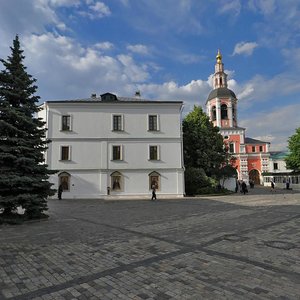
[(153, 122), (153, 152), (116, 179), (117, 122), (116, 152), (66, 123), (65, 153)]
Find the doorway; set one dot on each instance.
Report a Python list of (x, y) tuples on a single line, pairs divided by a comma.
[(254, 176)]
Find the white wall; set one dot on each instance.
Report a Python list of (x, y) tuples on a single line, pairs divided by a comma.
[(93, 184), (91, 140), (94, 120)]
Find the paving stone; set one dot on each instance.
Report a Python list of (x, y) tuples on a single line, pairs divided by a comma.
[(228, 247)]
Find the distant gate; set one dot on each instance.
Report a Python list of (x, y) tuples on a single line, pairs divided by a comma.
[(254, 176)]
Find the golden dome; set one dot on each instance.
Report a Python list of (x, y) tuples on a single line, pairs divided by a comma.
[(219, 57)]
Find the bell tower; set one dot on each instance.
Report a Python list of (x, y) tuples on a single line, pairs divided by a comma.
[(221, 103), (220, 77)]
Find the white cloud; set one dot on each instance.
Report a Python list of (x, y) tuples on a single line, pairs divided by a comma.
[(67, 69), (192, 93), (269, 125), (134, 72), (246, 92), (100, 9), (95, 10), (266, 7), (245, 48), (229, 7), (138, 48), (260, 88), (62, 2), (104, 46)]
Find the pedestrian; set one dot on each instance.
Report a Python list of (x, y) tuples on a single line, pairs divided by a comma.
[(153, 193), (272, 185), (244, 188), (236, 186), (59, 192), (287, 184)]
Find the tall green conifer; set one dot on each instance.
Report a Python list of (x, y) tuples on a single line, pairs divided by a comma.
[(23, 174)]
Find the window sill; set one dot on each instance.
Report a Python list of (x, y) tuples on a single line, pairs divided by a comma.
[(65, 130)]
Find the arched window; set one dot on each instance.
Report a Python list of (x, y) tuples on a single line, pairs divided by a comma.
[(233, 112), (154, 180), (64, 180), (224, 112), (213, 113), (116, 181), (221, 81)]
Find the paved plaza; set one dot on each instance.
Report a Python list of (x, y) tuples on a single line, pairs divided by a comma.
[(228, 247)]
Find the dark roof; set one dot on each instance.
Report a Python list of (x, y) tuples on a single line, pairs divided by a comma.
[(254, 141), (97, 100), (279, 154), (221, 92), (112, 98)]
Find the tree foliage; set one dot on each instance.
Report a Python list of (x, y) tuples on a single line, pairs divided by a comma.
[(203, 145), (23, 174), (293, 159)]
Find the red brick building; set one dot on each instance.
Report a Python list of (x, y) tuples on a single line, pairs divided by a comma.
[(251, 156)]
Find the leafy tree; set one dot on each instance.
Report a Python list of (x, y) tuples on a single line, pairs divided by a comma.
[(23, 174), (203, 145), (226, 172), (293, 159), (194, 180)]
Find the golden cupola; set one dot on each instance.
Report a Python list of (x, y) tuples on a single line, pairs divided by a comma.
[(219, 57)]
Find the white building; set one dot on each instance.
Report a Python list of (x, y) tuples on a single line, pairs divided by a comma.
[(115, 146), (279, 172)]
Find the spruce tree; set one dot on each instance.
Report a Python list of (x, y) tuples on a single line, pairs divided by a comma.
[(23, 173)]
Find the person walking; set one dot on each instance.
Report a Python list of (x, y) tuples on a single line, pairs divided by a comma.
[(272, 185), (153, 193), (59, 191), (287, 183), (244, 188)]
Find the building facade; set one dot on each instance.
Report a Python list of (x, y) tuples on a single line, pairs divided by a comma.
[(114, 146), (279, 174), (249, 156)]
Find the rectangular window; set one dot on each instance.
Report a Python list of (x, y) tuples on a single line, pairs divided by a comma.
[(253, 148), (260, 148), (231, 147), (116, 153), (275, 166), (65, 153), (153, 153), (153, 123), (66, 123), (117, 123)]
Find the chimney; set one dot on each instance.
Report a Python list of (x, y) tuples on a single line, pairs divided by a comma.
[(137, 94)]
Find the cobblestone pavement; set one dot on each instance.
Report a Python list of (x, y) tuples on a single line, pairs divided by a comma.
[(229, 247)]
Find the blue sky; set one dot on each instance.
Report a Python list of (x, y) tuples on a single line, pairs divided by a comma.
[(166, 49)]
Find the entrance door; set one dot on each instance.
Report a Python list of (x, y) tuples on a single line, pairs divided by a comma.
[(254, 176)]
